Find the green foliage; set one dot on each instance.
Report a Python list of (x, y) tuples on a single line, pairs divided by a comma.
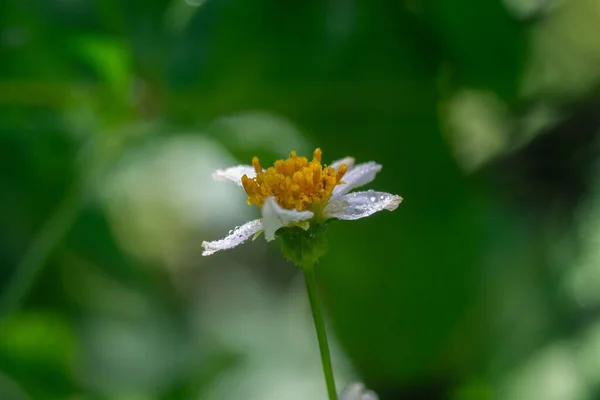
[(38, 350), (113, 115)]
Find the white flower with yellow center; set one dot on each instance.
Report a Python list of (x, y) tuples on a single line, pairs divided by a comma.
[(297, 192)]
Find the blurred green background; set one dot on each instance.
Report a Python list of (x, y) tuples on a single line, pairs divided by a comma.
[(484, 284)]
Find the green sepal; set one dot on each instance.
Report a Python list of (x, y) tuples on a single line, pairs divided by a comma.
[(256, 235), (303, 247)]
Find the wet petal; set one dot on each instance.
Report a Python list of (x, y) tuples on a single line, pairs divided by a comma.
[(370, 395), (236, 237), (361, 204), (352, 392), (275, 217), (349, 161), (234, 174), (358, 176), (357, 391)]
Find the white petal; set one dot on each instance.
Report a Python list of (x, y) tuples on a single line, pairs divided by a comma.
[(357, 391), (361, 204), (275, 217), (352, 392), (234, 174), (236, 237), (370, 395), (356, 177), (349, 161)]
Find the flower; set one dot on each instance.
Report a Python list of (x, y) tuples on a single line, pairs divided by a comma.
[(296, 192), (357, 391)]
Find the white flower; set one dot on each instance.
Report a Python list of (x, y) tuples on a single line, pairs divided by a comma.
[(297, 192), (357, 391)]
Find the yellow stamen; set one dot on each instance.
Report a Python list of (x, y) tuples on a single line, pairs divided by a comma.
[(295, 182), (256, 165), (317, 154)]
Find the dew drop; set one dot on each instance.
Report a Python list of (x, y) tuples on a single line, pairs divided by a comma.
[(373, 199)]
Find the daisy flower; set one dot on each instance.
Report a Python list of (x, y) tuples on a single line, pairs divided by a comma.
[(300, 196), (296, 192)]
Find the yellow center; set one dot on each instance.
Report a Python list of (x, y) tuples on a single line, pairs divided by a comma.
[(295, 182)]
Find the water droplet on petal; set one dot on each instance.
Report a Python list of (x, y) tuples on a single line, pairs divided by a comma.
[(373, 199)]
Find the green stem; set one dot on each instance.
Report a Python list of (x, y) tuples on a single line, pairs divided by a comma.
[(98, 157), (32, 263), (311, 288)]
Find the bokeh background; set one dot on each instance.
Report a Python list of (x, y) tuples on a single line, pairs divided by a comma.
[(483, 284)]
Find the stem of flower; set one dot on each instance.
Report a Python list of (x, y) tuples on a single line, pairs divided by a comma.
[(311, 289)]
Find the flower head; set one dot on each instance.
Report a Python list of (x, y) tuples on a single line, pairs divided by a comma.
[(295, 183), (297, 193)]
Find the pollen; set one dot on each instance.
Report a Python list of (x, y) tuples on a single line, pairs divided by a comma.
[(295, 182)]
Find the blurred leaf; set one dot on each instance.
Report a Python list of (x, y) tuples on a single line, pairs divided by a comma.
[(110, 59), (484, 45), (37, 349)]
